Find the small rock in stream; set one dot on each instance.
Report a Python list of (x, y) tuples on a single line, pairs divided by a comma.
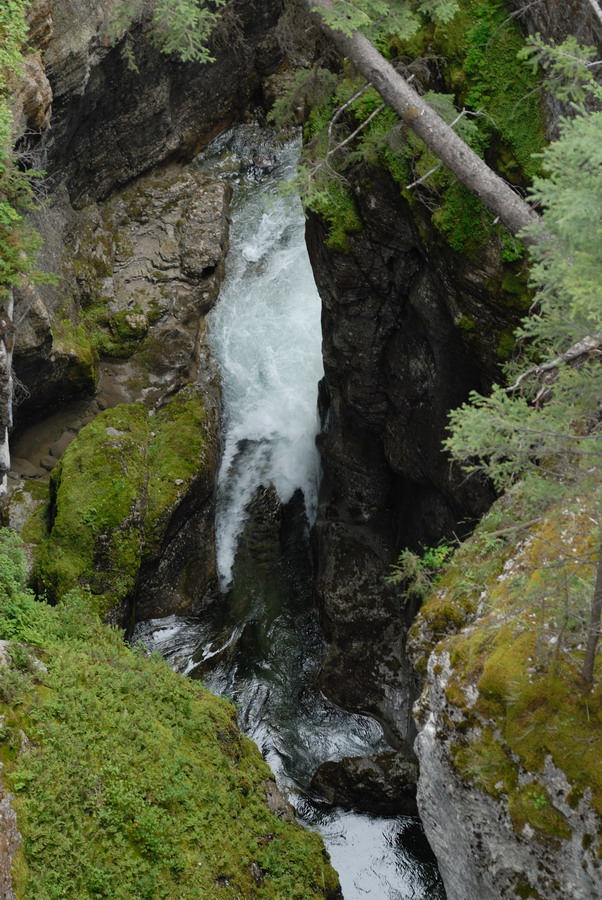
[(384, 784)]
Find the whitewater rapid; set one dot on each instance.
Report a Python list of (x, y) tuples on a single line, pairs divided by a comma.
[(265, 335)]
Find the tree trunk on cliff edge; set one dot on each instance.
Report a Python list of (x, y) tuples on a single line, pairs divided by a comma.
[(468, 168)]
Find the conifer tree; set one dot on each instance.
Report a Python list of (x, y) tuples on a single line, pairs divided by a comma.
[(544, 429)]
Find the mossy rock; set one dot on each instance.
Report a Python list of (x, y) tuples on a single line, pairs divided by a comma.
[(515, 645), (72, 341), (476, 57), (131, 781), (114, 492)]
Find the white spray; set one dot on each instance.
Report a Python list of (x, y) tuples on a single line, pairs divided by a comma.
[(265, 334)]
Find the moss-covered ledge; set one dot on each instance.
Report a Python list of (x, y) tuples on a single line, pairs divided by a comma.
[(121, 491), (503, 718), (128, 780)]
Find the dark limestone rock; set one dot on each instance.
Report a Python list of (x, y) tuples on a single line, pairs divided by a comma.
[(111, 123), (364, 668), (396, 361), (384, 784)]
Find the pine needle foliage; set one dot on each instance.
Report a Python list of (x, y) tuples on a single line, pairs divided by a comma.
[(182, 27)]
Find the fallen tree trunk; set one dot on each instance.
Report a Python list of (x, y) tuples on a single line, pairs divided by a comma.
[(495, 193)]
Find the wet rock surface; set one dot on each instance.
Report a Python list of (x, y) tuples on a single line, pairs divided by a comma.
[(384, 784), (396, 361), (364, 668), (111, 123)]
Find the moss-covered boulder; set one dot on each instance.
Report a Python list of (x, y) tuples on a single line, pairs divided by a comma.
[(121, 492), (130, 781), (510, 739)]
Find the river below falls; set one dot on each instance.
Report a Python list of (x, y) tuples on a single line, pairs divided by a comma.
[(260, 643)]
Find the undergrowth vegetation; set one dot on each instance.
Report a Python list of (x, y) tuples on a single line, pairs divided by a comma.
[(18, 241), (130, 780), (471, 65)]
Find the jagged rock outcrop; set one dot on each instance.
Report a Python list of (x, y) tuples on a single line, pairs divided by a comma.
[(482, 852), (509, 790), (109, 125), (111, 122), (32, 94), (140, 272)]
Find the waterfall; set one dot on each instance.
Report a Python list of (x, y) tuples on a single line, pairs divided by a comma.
[(265, 335)]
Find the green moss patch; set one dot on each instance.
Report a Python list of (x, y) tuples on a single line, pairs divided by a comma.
[(73, 341), (131, 781), (113, 492), (525, 597)]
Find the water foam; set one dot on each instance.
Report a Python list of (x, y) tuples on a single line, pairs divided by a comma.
[(265, 334)]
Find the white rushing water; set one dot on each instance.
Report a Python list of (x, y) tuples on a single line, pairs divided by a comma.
[(265, 334)]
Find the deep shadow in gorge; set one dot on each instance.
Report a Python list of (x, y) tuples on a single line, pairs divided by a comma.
[(396, 361)]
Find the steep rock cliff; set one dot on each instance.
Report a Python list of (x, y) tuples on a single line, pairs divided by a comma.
[(421, 295), (109, 125), (409, 329), (138, 269)]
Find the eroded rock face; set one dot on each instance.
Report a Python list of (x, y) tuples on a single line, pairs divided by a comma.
[(140, 272), (32, 93), (480, 854), (408, 332), (111, 123), (556, 20)]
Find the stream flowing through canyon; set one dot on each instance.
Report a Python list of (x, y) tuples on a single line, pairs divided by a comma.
[(259, 644)]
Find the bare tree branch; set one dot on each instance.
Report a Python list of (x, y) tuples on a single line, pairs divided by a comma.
[(589, 343)]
